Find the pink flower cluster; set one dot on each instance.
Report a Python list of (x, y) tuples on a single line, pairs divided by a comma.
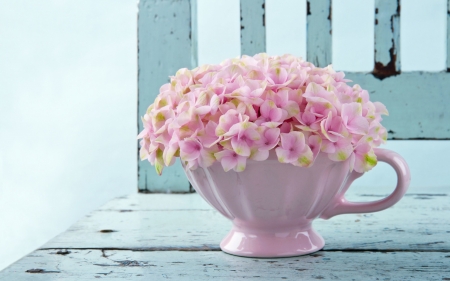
[(245, 107)]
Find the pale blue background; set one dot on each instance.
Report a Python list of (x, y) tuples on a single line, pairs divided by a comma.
[(68, 98)]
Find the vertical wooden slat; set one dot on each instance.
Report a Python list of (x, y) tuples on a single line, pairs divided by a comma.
[(194, 34), (318, 32), (164, 46), (448, 35), (253, 27), (387, 38)]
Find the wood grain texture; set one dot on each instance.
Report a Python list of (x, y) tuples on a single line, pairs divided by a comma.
[(318, 32), (164, 46), (129, 265), (253, 27), (419, 222), (417, 103), (387, 38), (160, 236)]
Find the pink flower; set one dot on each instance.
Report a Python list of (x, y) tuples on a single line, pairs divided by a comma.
[(271, 115), (269, 138), (231, 160), (308, 121), (315, 144), (243, 136), (279, 77), (294, 150), (226, 121), (245, 107), (316, 93), (208, 137), (332, 128), (161, 118), (247, 91), (282, 100), (195, 154), (339, 150), (364, 158), (352, 118)]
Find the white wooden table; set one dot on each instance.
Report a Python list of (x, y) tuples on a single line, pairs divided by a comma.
[(176, 236)]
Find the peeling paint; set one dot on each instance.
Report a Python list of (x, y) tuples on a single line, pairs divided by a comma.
[(40, 270), (253, 27), (107, 231), (387, 39), (382, 71)]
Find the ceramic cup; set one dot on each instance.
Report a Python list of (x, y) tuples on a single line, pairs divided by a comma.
[(272, 205)]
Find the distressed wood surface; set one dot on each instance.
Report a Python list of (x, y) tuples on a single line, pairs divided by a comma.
[(129, 265), (194, 33), (164, 46), (387, 38), (137, 202), (176, 236), (253, 27), (448, 35), (318, 32), (420, 222), (417, 103)]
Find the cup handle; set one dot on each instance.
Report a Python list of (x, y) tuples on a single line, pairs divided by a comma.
[(340, 205)]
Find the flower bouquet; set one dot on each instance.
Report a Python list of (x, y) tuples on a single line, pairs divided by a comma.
[(272, 143), (243, 108)]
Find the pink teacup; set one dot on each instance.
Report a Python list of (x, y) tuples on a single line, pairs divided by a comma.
[(272, 205)]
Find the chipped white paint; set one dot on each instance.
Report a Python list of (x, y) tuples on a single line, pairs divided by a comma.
[(387, 34), (129, 265), (253, 27), (151, 222), (318, 32), (417, 100), (164, 46)]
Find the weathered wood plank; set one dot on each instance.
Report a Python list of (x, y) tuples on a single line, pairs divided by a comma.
[(417, 101), (253, 27), (139, 202), (448, 35), (194, 33), (419, 222), (318, 32), (164, 46), (387, 38), (129, 265)]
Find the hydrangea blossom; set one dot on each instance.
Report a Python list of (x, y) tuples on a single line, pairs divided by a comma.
[(246, 107)]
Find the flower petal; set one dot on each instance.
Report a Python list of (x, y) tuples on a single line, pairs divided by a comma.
[(305, 159), (240, 146), (259, 155), (282, 154), (229, 163), (241, 163)]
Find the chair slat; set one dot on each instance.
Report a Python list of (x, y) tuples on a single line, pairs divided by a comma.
[(318, 32), (387, 38), (448, 35), (253, 27), (164, 44), (418, 103)]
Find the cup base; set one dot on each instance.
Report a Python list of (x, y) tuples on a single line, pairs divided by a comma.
[(258, 243)]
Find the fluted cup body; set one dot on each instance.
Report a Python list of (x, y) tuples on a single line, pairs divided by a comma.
[(271, 204)]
